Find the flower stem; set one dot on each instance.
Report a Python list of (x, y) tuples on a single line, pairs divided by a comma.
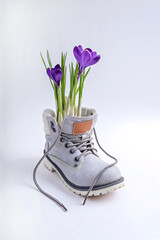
[(79, 106), (59, 104), (63, 81), (75, 86), (74, 95)]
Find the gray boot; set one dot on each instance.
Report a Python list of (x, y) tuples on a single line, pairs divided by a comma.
[(69, 150)]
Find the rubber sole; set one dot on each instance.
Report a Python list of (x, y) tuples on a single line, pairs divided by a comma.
[(96, 192)]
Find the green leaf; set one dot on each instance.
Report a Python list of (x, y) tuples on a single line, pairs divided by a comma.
[(52, 84), (49, 60), (63, 80), (71, 69), (81, 86), (86, 74), (77, 90), (75, 84), (43, 60)]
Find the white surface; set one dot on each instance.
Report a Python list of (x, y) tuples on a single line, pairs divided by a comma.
[(123, 87)]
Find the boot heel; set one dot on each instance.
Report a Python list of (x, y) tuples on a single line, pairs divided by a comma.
[(48, 165)]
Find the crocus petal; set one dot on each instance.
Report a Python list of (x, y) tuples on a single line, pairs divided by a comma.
[(77, 54), (57, 76), (86, 56), (57, 67), (80, 48), (88, 49), (53, 71), (93, 54), (49, 73), (93, 60)]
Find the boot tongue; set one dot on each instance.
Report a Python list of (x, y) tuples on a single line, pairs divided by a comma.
[(78, 125)]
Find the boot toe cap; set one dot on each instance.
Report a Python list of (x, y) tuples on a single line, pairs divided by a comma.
[(111, 174)]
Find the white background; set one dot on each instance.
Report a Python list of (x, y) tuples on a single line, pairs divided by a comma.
[(124, 89)]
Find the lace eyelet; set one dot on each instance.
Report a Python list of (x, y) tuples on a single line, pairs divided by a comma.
[(52, 127), (66, 145), (76, 159), (71, 151), (54, 130), (61, 139), (76, 165)]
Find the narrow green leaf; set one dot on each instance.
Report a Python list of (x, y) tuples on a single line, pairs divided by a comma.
[(43, 60), (46, 68), (75, 84), (77, 90), (49, 60), (71, 81), (63, 79), (52, 84), (86, 74)]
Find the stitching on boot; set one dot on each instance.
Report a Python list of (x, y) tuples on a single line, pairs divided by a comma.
[(81, 127)]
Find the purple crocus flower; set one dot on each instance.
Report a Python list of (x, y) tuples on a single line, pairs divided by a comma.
[(55, 74), (85, 58)]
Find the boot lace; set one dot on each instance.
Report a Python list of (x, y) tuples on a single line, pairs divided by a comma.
[(84, 143), (86, 146)]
